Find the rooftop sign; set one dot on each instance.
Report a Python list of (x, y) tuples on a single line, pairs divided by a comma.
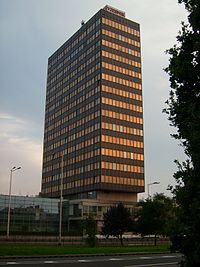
[(114, 11)]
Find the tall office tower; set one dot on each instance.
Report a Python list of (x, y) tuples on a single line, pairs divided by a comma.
[(93, 135)]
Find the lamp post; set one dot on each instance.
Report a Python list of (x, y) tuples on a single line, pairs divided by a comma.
[(148, 185), (9, 203), (52, 171), (61, 193)]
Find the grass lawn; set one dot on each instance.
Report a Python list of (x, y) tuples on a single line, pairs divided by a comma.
[(32, 250)]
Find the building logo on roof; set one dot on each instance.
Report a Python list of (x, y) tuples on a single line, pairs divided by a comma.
[(114, 11)]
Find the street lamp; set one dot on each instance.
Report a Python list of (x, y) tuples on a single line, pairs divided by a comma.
[(61, 194), (52, 171), (148, 185), (9, 203)]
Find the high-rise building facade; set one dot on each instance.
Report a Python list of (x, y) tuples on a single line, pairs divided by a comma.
[(93, 135)]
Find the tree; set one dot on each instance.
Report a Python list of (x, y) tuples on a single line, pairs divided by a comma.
[(168, 212), (116, 221), (183, 108), (90, 227), (155, 216)]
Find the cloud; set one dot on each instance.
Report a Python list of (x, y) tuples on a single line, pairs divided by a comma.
[(17, 150)]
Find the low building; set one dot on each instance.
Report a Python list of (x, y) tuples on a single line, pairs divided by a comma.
[(29, 214), (33, 215)]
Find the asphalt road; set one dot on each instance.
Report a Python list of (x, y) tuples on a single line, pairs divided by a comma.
[(159, 260)]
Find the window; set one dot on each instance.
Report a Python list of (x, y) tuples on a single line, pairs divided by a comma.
[(114, 166)]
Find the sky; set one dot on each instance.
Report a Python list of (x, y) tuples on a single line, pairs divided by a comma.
[(31, 30)]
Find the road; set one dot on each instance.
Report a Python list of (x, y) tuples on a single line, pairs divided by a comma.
[(159, 260)]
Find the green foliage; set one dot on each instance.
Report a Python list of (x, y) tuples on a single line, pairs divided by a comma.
[(90, 228), (184, 113), (155, 216), (116, 221), (184, 101)]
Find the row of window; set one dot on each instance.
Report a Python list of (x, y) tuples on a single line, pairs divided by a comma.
[(71, 148), (90, 154), (121, 37), (50, 124), (55, 74), (121, 81), (122, 128), (84, 144), (121, 59), (71, 138), (84, 55), (58, 70), (73, 171), (73, 104), (70, 159), (84, 65), (113, 78), (22, 203), (91, 117), (76, 137), (120, 104), (116, 91), (49, 189), (73, 184), (120, 26), (80, 47), (121, 154), (121, 48), (85, 131), (69, 46), (70, 74), (94, 210), (83, 169), (58, 132), (88, 95), (57, 87), (121, 167), (85, 74), (93, 37), (122, 141), (94, 180), (121, 180), (77, 90), (86, 155), (61, 70), (121, 116), (87, 71), (52, 84), (121, 70), (81, 88), (88, 30)]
